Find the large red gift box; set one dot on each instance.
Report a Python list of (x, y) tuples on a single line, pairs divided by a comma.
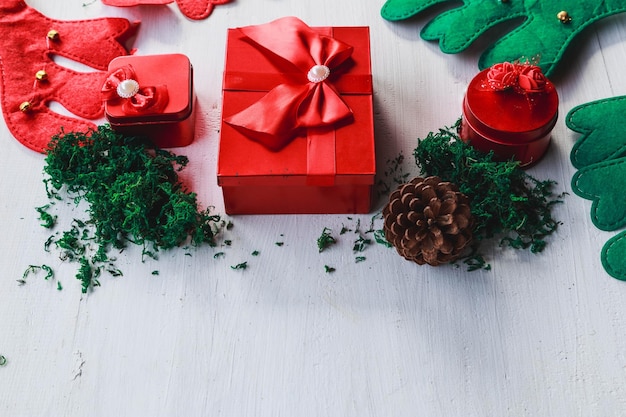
[(316, 169)]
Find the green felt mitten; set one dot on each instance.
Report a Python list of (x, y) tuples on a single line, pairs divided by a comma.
[(546, 31), (604, 183), (614, 256), (600, 155), (602, 125)]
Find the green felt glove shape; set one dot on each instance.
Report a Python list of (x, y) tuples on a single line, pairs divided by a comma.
[(600, 155), (613, 256), (602, 125), (546, 31), (604, 183)]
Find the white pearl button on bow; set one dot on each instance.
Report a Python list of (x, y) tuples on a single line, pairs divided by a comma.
[(127, 88), (318, 73)]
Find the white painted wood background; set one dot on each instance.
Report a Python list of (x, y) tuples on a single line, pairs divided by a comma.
[(538, 335)]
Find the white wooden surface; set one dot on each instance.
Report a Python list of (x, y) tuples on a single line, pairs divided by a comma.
[(538, 335)]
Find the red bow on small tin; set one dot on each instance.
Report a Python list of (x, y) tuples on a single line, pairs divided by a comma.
[(122, 84), (310, 102), (523, 78)]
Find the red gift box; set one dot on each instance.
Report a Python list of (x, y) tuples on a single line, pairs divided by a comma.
[(294, 169), (152, 96), (510, 109)]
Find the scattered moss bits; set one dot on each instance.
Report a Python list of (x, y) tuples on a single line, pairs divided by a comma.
[(240, 266), (48, 219), (394, 173), (379, 237), (361, 243), (86, 275), (34, 269), (325, 240)]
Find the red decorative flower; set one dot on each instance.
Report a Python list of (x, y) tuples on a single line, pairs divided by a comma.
[(531, 79), (523, 78), (121, 84), (502, 76)]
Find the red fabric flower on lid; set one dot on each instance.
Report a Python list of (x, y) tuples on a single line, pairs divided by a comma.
[(523, 78), (502, 76), (122, 84), (531, 79)]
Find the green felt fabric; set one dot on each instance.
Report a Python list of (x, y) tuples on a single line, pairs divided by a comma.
[(604, 183), (602, 125), (540, 33), (614, 256), (600, 156)]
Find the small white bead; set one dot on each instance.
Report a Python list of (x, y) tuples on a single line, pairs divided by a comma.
[(318, 73), (127, 88)]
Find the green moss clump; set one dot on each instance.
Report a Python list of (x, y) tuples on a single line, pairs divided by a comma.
[(133, 191), (505, 200)]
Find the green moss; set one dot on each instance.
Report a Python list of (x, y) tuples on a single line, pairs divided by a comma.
[(361, 243), (241, 266), (505, 200), (47, 219), (133, 192), (35, 268), (325, 240)]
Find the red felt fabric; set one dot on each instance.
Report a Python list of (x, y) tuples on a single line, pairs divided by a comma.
[(193, 9), (26, 49)]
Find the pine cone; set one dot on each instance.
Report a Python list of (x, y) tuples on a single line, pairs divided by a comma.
[(428, 221)]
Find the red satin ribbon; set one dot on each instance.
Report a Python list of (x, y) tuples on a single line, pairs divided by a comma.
[(276, 118), (150, 99)]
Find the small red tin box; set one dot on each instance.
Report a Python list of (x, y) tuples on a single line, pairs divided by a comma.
[(151, 96), (510, 109), (297, 131)]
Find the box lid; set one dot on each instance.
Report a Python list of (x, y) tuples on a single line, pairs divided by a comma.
[(244, 161), (174, 71), (509, 116), (242, 60)]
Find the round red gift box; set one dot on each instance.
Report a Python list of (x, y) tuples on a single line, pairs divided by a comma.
[(512, 124)]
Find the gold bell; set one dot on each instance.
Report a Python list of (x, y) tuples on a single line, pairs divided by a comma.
[(25, 107), (563, 16), (53, 35), (41, 75)]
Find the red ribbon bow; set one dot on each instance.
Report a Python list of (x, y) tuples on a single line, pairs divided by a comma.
[(523, 78), (150, 99), (275, 119)]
